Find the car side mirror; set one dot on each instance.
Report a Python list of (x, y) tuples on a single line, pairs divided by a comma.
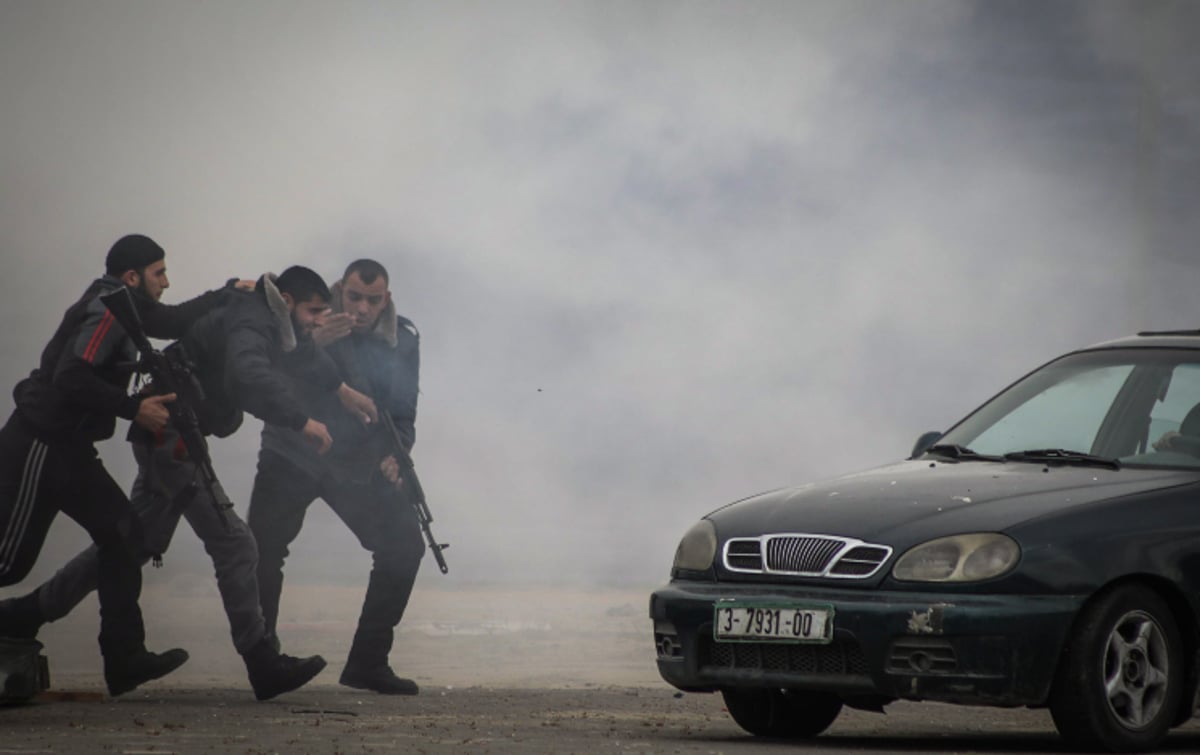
[(924, 442)]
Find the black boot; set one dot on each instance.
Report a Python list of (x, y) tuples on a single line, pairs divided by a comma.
[(379, 679), (21, 618), (23, 670), (272, 673), (367, 663), (127, 672)]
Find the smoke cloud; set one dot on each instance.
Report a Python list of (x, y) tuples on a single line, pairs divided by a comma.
[(662, 255)]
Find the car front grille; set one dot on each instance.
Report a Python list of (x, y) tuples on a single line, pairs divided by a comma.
[(805, 555), (838, 658), (801, 555)]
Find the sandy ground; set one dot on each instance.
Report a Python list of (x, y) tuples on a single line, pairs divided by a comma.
[(529, 670), (503, 637), (326, 719)]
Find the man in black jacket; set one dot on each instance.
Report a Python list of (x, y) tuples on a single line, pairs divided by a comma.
[(260, 337), (377, 352), (48, 461), (234, 351)]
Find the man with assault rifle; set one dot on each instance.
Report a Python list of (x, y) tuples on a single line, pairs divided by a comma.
[(377, 352), (49, 463), (224, 364)]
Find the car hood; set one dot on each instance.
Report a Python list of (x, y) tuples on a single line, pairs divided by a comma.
[(915, 500)]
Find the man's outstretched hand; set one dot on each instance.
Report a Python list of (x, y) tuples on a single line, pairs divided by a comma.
[(358, 404), (152, 412), (316, 433), (334, 327)]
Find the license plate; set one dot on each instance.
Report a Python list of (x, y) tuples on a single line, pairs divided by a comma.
[(735, 620)]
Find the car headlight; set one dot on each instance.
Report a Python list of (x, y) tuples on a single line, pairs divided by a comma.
[(697, 548), (960, 558)]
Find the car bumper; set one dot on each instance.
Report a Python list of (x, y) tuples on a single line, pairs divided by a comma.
[(974, 649)]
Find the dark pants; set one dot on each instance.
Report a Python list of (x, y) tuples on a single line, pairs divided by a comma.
[(167, 488), (38, 480), (379, 516)]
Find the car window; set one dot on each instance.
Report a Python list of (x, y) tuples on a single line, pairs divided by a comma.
[(1183, 394), (1067, 414), (1130, 404)]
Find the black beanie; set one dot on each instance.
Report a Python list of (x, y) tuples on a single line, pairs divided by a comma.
[(132, 252)]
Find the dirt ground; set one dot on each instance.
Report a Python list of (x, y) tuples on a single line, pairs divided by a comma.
[(535, 670), (450, 638), (328, 719)]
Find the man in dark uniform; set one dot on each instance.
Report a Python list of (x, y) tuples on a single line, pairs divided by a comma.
[(48, 461), (377, 352), (226, 348)]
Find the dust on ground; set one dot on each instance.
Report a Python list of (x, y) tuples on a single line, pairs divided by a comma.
[(502, 670), (521, 637)]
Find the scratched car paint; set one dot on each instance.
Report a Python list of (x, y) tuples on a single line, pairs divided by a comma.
[(1042, 552)]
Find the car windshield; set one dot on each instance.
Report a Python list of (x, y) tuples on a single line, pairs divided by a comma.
[(1137, 406)]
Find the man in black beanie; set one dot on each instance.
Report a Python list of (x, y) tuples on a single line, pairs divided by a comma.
[(49, 463), (234, 353), (132, 252)]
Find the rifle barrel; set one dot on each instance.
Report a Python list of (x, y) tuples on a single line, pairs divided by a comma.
[(416, 493)]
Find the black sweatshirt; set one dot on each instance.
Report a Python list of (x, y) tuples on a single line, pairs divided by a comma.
[(240, 349), (81, 385)]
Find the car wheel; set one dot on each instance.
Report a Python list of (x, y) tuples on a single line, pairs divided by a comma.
[(1121, 675), (782, 712)]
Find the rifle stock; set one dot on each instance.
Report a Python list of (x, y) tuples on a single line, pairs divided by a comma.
[(170, 375), (412, 484)]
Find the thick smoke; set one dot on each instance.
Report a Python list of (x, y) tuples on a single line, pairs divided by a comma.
[(662, 255)]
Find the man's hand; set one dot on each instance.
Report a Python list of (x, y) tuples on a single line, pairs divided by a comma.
[(245, 285), (391, 471), (358, 404), (152, 414), (333, 327), (316, 433), (1166, 441)]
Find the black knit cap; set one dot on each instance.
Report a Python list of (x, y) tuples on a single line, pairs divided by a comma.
[(132, 252)]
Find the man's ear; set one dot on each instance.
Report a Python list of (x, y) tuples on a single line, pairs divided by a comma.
[(131, 278), (288, 300)]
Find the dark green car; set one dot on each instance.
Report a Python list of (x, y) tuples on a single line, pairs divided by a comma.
[(1044, 551)]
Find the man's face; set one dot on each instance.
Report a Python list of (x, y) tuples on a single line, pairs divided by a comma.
[(364, 302), (307, 315), (152, 280)]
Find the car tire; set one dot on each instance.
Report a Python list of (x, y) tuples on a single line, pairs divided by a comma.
[(1121, 675), (782, 713)]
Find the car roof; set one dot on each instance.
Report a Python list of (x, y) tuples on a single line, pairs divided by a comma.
[(1170, 339)]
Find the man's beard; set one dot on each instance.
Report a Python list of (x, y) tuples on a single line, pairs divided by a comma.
[(141, 290), (302, 334)]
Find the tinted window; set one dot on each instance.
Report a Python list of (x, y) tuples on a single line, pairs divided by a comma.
[(1066, 414), (1183, 393), (1130, 404)]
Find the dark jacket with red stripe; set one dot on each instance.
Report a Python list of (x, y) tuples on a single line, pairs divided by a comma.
[(82, 383)]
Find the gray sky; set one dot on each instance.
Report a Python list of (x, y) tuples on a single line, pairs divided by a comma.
[(663, 255)]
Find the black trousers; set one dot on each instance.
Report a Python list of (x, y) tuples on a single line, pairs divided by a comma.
[(40, 479), (379, 516)]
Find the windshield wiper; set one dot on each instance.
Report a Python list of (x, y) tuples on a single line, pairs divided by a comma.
[(962, 453), (1061, 456)]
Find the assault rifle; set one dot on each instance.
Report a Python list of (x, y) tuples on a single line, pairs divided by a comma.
[(408, 474), (171, 372)]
